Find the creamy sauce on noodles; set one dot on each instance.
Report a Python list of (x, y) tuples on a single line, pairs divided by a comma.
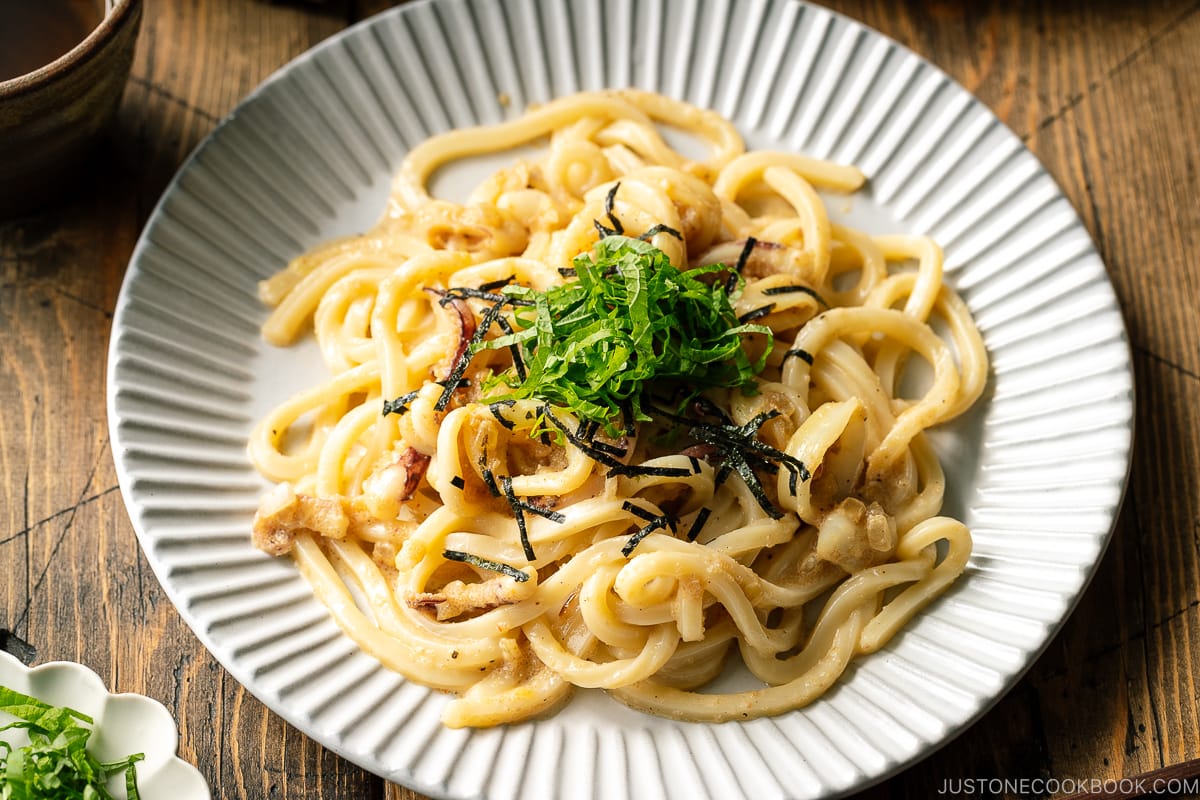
[(643, 515)]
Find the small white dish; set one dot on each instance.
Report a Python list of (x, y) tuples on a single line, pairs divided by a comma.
[(122, 724)]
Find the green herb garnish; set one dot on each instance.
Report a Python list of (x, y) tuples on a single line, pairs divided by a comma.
[(55, 765), (629, 320)]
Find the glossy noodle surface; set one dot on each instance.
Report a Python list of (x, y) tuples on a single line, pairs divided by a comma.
[(620, 417)]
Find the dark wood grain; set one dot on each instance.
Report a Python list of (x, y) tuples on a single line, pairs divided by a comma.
[(1105, 94)]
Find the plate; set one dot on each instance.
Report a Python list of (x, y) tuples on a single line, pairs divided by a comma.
[(121, 724), (1037, 470)]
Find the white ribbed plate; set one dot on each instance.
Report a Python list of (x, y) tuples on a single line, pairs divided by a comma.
[(1037, 470)]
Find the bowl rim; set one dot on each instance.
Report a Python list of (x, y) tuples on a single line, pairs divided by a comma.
[(114, 19)]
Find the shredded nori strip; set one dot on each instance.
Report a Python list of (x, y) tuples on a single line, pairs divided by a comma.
[(650, 527), (750, 478), (617, 228), (634, 470), (742, 435), (503, 420), (654, 522), (698, 524), (447, 296), (757, 313), (745, 254), (568, 272), (731, 283), (799, 353), (489, 477), (493, 285), (637, 510), (614, 466), (460, 364), (519, 513), (627, 418), (611, 449), (514, 349), (800, 473), (741, 451), (483, 563), (586, 447), (695, 462), (542, 511), (587, 429), (774, 290), (400, 404), (483, 292), (457, 482), (660, 228)]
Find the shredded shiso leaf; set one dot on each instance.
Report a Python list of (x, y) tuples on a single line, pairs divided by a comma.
[(55, 765), (595, 345)]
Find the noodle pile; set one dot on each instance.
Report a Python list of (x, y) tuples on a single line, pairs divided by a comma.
[(506, 548)]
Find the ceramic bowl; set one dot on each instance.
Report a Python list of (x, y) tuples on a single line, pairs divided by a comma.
[(51, 116)]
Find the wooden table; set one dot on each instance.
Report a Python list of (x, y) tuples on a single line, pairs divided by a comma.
[(1104, 93)]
